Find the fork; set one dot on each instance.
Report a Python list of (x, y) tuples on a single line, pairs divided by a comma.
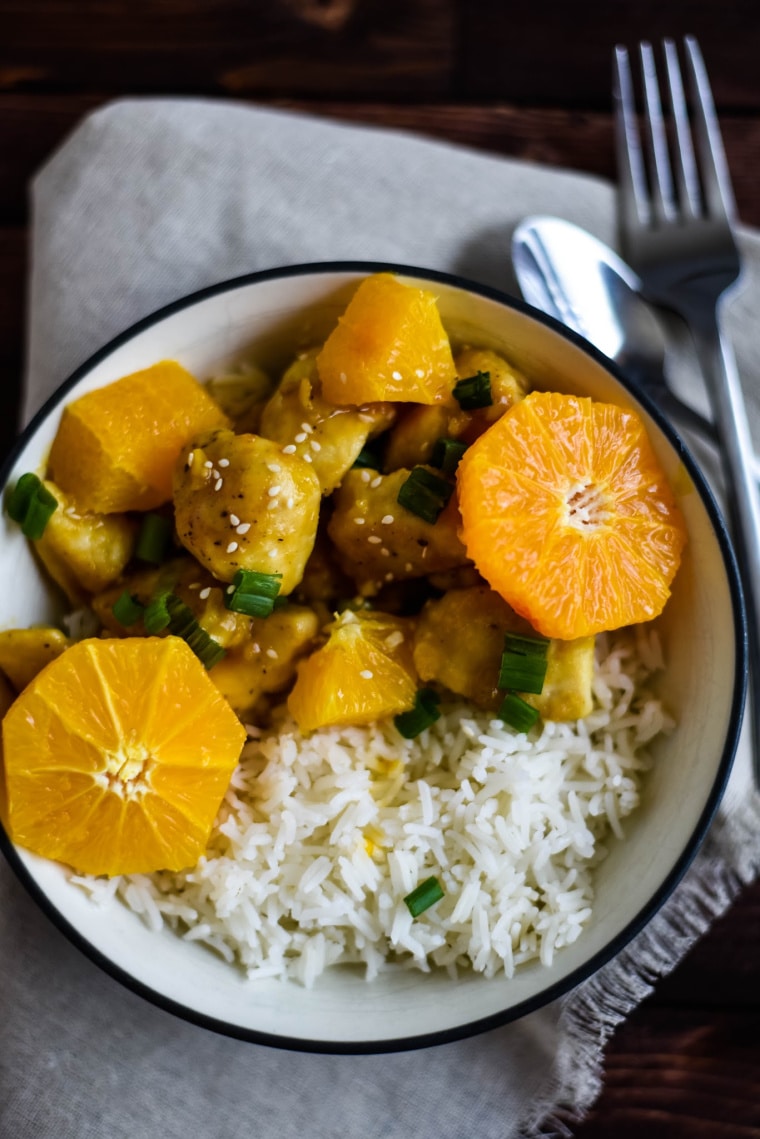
[(677, 234)]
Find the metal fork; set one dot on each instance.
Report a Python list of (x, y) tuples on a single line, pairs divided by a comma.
[(677, 235)]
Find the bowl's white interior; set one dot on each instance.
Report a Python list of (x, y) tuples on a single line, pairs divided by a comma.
[(276, 316)]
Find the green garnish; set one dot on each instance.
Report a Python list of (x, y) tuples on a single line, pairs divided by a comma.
[(157, 617), (424, 896), (424, 494), (253, 593), (474, 392), (127, 609), (31, 505), (367, 458), (446, 454), (424, 713), (528, 646), (525, 673), (153, 539), (517, 713), (183, 624)]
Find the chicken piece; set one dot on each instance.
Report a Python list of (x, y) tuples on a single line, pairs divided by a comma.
[(25, 652), (380, 541), (459, 643), (323, 579), (240, 503), (267, 661), (328, 437), (418, 429), (83, 553), (508, 386), (194, 585), (242, 393)]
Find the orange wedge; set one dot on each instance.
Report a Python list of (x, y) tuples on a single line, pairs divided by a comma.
[(117, 756)]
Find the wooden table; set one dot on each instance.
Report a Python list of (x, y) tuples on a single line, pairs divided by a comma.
[(530, 81)]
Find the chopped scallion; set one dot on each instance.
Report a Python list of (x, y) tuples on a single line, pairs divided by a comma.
[(446, 455), (523, 672), (367, 458), (31, 504), (153, 539), (528, 646), (517, 713), (127, 609), (183, 624), (474, 391), (253, 593), (157, 617), (424, 494), (424, 713), (424, 896)]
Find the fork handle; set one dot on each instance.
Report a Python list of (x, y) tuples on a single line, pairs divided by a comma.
[(724, 387)]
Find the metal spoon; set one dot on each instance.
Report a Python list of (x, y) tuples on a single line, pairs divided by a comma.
[(571, 275)]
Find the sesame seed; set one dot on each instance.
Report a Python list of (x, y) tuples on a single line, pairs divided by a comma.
[(300, 437), (234, 520), (366, 674), (208, 464), (255, 647), (243, 528), (273, 503), (397, 376), (204, 593), (219, 484), (389, 577), (376, 482), (365, 476), (194, 585), (386, 519), (343, 377), (307, 458), (232, 547), (290, 503), (272, 653), (386, 553), (290, 449), (190, 458), (215, 473), (230, 588), (275, 468), (373, 538), (359, 521), (274, 491), (307, 427), (224, 462), (393, 640), (315, 446), (408, 567)]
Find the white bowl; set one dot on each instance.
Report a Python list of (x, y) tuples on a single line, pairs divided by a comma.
[(704, 683)]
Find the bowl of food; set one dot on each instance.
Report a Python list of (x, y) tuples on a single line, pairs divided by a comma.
[(353, 642)]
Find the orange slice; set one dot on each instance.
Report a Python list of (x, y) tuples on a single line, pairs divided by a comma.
[(116, 447), (364, 673), (389, 345), (567, 514), (117, 756)]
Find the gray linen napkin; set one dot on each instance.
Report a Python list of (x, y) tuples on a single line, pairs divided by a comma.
[(147, 201)]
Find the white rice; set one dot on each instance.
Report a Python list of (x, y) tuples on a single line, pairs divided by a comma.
[(319, 839)]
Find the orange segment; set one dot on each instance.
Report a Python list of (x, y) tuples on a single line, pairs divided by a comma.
[(389, 345), (364, 673), (116, 447), (567, 514), (117, 756)]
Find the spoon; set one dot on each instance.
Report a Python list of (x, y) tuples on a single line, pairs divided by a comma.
[(571, 275)]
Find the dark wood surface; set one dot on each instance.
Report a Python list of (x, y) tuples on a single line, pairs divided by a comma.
[(530, 81)]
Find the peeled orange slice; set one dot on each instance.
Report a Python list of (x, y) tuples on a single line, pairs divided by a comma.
[(364, 673), (117, 756), (389, 345), (568, 515), (116, 447)]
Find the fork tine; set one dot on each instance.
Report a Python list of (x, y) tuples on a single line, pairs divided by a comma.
[(689, 192), (716, 181), (662, 180), (633, 193)]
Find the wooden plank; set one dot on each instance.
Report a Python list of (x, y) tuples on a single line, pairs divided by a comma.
[(31, 126), (555, 52), (268, 46)]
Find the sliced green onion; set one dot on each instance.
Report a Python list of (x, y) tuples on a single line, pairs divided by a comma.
[(183, 624), (517, 713), (157, 617), (528, 646), (253, 593), (367, 458), (127, 609), (446, 455), (31, 504), (474, 392), (424, 896), (424, 494), (424, 713), (153, 539), (525, 673)]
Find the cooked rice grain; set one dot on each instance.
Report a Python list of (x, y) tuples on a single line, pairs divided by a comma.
[(319, 839)]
